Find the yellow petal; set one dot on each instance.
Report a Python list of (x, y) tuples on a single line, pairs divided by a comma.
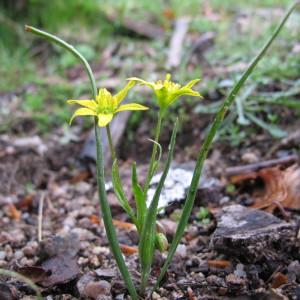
[(122, 94), (191, 83), (85, 103), (104, 97), (82, 112), (104, 119), (142, 82), (131, 106)]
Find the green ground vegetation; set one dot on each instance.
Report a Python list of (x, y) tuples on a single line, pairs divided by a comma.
[(39, 74)]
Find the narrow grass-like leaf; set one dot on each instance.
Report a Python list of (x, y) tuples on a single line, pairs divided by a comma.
[(119, 191), (106, 213), (156, 161), (274, 130), (189, 203), (148, 235), (141, 207), (153, 164)]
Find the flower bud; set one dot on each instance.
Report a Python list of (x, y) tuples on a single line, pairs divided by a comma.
[(162, 243)]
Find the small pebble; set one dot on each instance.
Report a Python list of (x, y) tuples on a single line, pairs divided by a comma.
[(2, 255), (96, 289)]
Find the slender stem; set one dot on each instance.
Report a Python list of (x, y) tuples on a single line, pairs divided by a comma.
[(107, 217), (54, 39), (110, 142), (148, 234), (151, 169), (207, 143), (106, 213)]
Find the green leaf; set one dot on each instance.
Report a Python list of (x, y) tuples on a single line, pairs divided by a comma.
[(148, 235), (119, 191), (189, 203), (274, 130), (141, 207)]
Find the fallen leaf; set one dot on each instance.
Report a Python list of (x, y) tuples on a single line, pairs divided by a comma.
[(118, 224), (95, 219), (278, 280), (25, 202), (35, 273), (81, 176), (281, 187), (128, 250), (124, 225), (62, 268), (191, 294), (14, 212), (219, 264)]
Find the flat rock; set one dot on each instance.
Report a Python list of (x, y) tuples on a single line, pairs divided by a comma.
[(252, 235)]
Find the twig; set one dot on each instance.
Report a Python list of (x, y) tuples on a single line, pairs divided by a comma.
[(232, 171), (176, 43), (40, 217)]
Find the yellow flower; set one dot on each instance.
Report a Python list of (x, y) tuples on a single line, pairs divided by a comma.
[(106, 105), (167, 91)]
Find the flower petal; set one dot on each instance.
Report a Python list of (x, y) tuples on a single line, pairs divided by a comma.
[(104, 98), (122, 94), (131, 106), (104, 119), (191, 84), (142, 82), (82, 112), (85, 103), (187, 92)]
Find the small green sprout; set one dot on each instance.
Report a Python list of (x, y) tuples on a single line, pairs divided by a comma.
[(203, 215)]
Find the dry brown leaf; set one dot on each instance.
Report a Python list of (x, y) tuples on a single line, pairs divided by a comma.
[(124, 225), (128, 250), (80, 176), (13, 212), (219, 264), (281, 187), (191, 294), (25, 202), (35, 273), (95, 219), (278, 280)]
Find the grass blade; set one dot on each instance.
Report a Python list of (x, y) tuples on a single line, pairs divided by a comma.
[(119, 191), (148, 236), (274, 130), (141, 207), (208, 141)]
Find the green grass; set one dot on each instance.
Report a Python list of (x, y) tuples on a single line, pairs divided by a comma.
[(83, 23)]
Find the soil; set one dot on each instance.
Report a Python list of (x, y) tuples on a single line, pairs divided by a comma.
[(73, 260)]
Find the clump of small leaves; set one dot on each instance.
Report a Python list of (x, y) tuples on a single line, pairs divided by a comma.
[(203, 215), (103, 106)]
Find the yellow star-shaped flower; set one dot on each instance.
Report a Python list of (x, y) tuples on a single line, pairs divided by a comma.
[(167, 91), (106, 105)]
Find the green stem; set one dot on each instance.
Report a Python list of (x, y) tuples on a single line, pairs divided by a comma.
[(54, 39), (106, 213), (207, 143), (148, 234), (110, 142), (107, 217), (152, 165)]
